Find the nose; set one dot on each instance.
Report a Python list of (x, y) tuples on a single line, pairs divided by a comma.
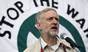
[(55, 21)]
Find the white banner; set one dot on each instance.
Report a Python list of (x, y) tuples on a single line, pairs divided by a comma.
[(17, 29)]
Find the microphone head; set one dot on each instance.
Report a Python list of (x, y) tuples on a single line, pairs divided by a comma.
[(63, 35), (69, 40), (72, 43)]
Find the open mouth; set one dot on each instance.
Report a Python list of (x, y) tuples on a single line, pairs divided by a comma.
[(55, 28)]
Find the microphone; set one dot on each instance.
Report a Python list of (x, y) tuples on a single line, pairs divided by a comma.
[(69, 40), (63, 35)]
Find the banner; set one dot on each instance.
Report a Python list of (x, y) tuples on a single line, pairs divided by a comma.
[(17, 22)]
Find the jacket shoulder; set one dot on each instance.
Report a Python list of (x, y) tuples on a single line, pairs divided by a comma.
[(33, 48)]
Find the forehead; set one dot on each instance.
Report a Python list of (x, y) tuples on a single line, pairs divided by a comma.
[(50, 13)]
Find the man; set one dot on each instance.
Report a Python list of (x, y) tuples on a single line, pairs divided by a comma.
[(48, 25)]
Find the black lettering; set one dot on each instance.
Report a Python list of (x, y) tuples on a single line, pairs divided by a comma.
[(6, 32), (47, 1), (81, 22), (35, 3), (13, 18), (5, 22), (87, 35), (19, 5), (53, 4), (69, 11), (86, 30)]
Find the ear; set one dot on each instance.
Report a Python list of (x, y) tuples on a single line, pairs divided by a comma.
[(37, 25)]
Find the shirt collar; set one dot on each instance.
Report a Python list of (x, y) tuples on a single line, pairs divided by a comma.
[(44, 44), (54, 47)]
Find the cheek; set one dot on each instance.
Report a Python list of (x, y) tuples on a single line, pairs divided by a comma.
[(44, 27)]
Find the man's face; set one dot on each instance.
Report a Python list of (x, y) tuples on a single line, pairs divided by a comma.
[(49, 23)]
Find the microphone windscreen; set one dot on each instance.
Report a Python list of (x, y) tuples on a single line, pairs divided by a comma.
[(71, 42)]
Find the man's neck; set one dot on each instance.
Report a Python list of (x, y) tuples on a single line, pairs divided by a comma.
[(49, 40)]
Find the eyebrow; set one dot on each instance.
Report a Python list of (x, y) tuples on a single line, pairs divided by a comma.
[(52, 18)]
